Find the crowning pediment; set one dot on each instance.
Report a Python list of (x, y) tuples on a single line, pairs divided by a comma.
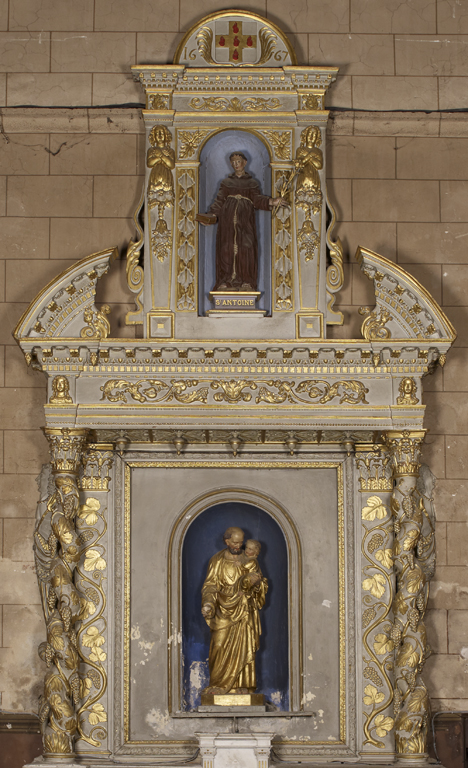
[(65, 308), (404, 308)]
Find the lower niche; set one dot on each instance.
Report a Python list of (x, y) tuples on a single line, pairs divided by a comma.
[(203, 539)]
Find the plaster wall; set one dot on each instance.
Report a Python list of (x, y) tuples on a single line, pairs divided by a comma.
[(71, 166)]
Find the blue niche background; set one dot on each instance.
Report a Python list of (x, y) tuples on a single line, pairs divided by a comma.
[(214, 167), (203, 539)]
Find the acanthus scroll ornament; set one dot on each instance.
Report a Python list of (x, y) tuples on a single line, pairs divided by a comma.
[(223, 104), (98, 326), (374, 326)]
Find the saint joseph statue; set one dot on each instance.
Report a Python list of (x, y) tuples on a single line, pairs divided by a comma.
[(236, 240), (232, 595)]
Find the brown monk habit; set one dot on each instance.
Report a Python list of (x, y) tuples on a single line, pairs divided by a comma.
[(236, 239)]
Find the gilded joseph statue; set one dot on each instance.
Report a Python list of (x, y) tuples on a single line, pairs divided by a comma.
[(232, 595)]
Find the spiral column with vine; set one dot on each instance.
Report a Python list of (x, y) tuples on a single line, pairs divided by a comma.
[(57, 553), (414, 556)]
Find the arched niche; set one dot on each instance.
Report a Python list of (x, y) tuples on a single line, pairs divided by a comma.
[(214, 167), (197, 536)]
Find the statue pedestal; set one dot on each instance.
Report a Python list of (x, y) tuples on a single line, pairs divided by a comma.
[(234, 302), (233, 699), (245, 750)]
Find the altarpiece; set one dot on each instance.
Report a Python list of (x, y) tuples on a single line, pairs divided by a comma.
[(231, 407)]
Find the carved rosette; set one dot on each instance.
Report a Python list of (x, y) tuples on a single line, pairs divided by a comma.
[(57, 554), (414, 556), (378, 588)]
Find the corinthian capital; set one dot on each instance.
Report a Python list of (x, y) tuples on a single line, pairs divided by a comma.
[(405, 447), (66, 447)]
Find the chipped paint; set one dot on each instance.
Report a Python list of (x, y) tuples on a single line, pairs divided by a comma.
[(199, 677), (135, 632), (326, 603), (310, 657), (464, 653), (175, 638), (308, 697), (159, 721), (276, 698)]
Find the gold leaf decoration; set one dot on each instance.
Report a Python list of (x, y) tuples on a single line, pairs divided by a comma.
[(372, 695), (418, 700), (375, 585), (94, 561), (384, 724), (97, 654), (93, 638), (414, 581), (382, 644), (97, 714), (399, 604), (375, 508), (410, 540), (88, 510), (384, 556), (403, 722), (407, 655)]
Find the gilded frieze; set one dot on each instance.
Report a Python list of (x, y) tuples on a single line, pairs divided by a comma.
[(272, 391), (224, 104)]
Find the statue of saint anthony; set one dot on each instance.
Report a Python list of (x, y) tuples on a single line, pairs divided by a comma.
[(238, 197)]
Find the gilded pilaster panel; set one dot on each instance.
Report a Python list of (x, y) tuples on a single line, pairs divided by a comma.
[(282, 248), (91, 578), (186, 241), (57, 552), (414, 555), (378, 589)]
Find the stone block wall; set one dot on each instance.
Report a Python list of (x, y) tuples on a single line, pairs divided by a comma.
[(71, 165)]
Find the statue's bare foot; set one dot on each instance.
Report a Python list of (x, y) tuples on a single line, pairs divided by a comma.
[(213, 689), (223, 287), (246, 287)]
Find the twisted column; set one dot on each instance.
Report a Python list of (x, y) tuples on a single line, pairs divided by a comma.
[(57, 552), (414, 557)]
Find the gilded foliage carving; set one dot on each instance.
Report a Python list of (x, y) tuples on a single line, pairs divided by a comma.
[(57, 554), (283, 258), (223, 104), (377, 585), (281, 143), (189, 141), (414, 557), (186, 244), (91, 636), (160, 193), (234, 391), (153, 390), (374, 326), (98, 326)]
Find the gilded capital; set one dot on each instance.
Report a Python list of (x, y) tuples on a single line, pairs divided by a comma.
[(66, 447), (405, 448)]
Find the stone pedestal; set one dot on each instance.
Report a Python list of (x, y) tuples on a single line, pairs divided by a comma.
[(235, 750)]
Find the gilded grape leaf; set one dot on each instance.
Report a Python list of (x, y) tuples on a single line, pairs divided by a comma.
[(375, 585), (384, 724), (375, 508), (383, 644), (372, 695), (97, 714), (94, 561), (384, 556)]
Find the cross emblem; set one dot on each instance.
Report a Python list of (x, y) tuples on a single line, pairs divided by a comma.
[(235, 41)]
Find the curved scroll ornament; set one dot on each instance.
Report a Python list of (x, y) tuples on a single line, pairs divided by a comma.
[(335, 273), (233, 391), (134, 271), (98, 326), (57, 553), (414, 554), (204, 38), (223, 104), (161, 159), (374, 326)]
